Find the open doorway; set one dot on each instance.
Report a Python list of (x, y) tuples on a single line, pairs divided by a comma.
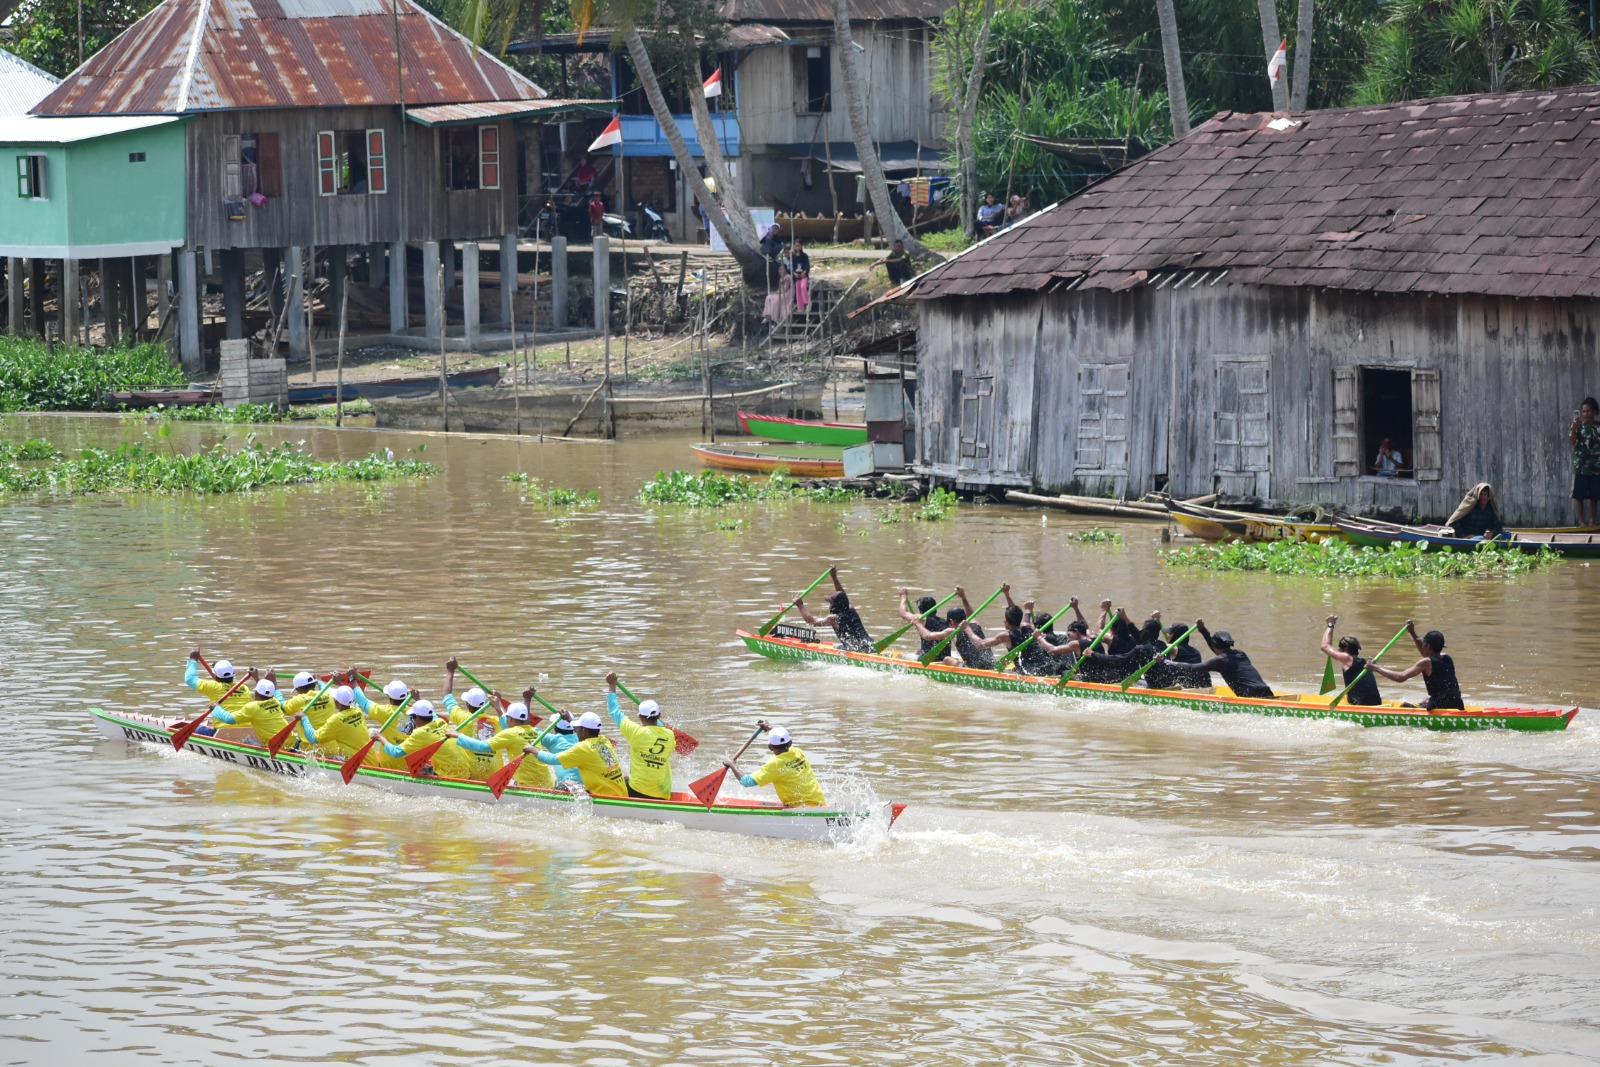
[(1386, 415)]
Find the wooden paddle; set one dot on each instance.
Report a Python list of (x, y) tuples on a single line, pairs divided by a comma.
[(207, 666), (1028, 640), (501, 778), (766, 627), (898, 634), (1341, 694), (706, 789), (685, 743), (278, 739), (181, 735), (353, 764), (1142, 671), (938, 650), (1065, 678)]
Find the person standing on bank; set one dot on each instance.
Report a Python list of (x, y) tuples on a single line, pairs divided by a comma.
[(1348, 656), (1585, 439)]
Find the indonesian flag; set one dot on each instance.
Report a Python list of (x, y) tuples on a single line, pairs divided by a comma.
[(1279, 62), (713, 84), (609, 136)]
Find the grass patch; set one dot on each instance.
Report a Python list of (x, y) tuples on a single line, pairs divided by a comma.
[(33, 377), (551, 496), (32, 448), (713, 489), (140, 468), (1094, 536), (946, 241), (1338, 559)]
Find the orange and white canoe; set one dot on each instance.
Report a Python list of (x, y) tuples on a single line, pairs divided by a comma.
[(799, 460)]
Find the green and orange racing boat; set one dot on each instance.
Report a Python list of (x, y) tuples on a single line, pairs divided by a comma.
[(1219, 699)]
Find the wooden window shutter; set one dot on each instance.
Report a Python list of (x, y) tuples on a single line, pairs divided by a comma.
[(1114, 421), (327, 165), (232, 171), (1425, 437), (269, 165), (1346, 421), (1091, 417), (488, 157), (24, 184), (377, 163)]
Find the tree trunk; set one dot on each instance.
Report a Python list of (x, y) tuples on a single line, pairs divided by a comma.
[(966, 151), (745, 252), (733, 202), (861, 131), (1172, 59), (1270, 37), (1302, 57)]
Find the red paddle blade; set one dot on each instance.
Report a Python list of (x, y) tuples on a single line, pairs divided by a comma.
[(706, 789), (279, 738), (353, 764), (894, 812), (686, 744), (181, 735), (502, 778), (418, 759)]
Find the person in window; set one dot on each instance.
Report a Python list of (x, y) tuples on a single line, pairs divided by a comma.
[(1585, 438), (1478, 514), (597, 215), (1388, 463), (990, 215), (898, 264)]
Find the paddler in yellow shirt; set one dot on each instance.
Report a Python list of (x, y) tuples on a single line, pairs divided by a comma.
[(426, 728), (592, 757), (307, 701), (394, 694), (516, 734), (650, 746), (343, 731), (264, 715), (788, 771), (213, 689), (463, 762)]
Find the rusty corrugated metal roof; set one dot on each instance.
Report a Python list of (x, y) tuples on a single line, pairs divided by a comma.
[(454, 114), (224, 55), (1494, 194)]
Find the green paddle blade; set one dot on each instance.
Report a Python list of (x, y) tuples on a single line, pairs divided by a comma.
[(938, 650), (1329, 679), (898, 634)]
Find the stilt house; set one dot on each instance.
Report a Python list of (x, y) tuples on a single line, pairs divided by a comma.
[(319, 125), (1255, 307)]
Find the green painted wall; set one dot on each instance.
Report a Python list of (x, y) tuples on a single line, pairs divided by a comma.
[(33, 222)]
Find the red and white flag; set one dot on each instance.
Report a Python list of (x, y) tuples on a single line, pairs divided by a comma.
[(611, 135), (1279, 62), (713, 84)]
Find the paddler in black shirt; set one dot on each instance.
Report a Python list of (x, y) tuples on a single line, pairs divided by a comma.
[(930, 626), (844, 619), (968, 636), (1033, 660), (1111, 667), (1348, 656), (1184, 660), (1238, 673), (1437, 669)]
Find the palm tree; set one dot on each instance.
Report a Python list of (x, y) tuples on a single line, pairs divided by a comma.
[(1270, 38), (967, 116), (1177, 97), (1302, 56)]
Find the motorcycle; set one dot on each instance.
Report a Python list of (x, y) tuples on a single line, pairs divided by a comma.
[(656, 226), (616, 225)]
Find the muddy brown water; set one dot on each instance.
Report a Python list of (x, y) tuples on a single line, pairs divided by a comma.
[(1074, 882)]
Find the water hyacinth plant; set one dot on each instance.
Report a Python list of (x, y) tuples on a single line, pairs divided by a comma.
[(37, 377), (712, 489), (551, 496), (32, 448), (1093, 536), (1338, 559), (239, 413)]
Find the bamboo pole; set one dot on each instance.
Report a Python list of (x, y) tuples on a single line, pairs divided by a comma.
[(338, 388)]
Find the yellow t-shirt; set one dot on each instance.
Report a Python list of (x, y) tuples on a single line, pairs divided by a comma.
[(650, 752), (212, 690), (343, 733), (425, 735), (264, 716), (596, 763), (508, 745), (379, 713), (790, 774), (317, 709)]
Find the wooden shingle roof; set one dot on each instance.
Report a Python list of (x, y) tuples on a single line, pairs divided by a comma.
[(1495, 194)]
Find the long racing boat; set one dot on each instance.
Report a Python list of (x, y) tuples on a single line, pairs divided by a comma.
[(739, 816), (1220, 699)]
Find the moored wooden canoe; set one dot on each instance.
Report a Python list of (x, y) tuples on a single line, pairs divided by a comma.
[(777, 428), (417, 385), (765, 462), (739, 816), (1294, 706), (1215, 524), (1567, 545)]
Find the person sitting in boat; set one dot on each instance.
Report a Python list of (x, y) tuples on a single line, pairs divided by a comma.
[(1437, 669), (844, 619), (1478, 514), (650, 746), (563, 737), (1184, 658), (214, 689), (311, 699), (1112, 667), (969, 649), (394, 694), (343, 731), (466, 763), (1348, 656), (930, 626), (264, 714), (592, 756), (1238, 673), (787, 771), (1064, 653), (515, 735), (1035, 657), (426, 728)]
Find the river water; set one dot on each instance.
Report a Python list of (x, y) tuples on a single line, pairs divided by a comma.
[(1073, 882)]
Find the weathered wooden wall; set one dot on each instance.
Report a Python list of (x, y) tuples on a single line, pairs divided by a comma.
[(1509, 375), (302, 217)]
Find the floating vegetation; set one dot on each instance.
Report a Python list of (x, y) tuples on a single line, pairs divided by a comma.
[(137, 467), (32, 448), (1338, 559), (935, 507), (551, 496), (1093, 536), (730, 524), (35, 377), (712, 489), (241, 413)]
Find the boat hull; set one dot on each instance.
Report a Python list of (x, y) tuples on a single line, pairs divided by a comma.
[(1568, 546), (1214, 524), (1300, 706), (736, 459), (326, 393), (749, 817), (777, 428)]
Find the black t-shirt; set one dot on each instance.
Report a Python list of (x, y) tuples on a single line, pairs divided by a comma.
[(1444, 692), (1365, 692), (971, 654), (853, 636)]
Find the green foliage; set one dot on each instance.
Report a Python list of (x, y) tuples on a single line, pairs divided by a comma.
[(137, 467), (552, 496), (713, 489), (1093, 536), (32, 448), (33, 378), (1445, 47), (935, 507), (243, 413), (1338, 559), (45, 32), (946, 241)]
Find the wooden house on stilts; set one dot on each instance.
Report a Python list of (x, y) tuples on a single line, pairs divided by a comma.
[(1255, 307)]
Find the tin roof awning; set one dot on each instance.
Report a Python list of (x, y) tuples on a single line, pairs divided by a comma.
[(897, 157), (43, 129), (489, 110)]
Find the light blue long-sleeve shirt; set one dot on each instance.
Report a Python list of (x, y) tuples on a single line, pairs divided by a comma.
[(191, 674), (361, 699), (556, 742)]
